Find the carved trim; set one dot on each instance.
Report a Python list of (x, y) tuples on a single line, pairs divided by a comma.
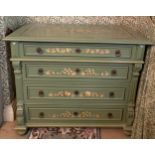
[(136, 69), (72, 94), (20, 113), (68, 114), (20, 119), (97, 51), (17, 67), (130, 114), (72, 51), (74, 60), (85, 72), (59, 50)]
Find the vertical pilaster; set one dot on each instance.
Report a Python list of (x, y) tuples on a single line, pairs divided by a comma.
[(132, 98), (20, 115)]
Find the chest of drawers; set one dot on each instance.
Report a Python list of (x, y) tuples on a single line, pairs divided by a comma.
[(76, 75)]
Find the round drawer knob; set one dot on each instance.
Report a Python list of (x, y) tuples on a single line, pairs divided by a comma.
[(76, 92), (113, 72), (118, 53), (40, 71), (77, 70), (41, 114), (75, 113), (39, 50), (111, 94), (78, 50), (110, 115), (41, 93)]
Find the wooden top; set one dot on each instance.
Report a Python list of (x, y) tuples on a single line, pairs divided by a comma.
[(77, 34)]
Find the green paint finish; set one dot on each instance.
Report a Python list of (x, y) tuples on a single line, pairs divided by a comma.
[(54, 114), (76, 75), (47, 93), (79, 51), (92, 104), (77, 33), (77, 70), (76, 50), (78, 82), (71, 59)]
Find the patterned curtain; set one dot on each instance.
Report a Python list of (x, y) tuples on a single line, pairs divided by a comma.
[(5, 65), (1, 101), (144, 123)]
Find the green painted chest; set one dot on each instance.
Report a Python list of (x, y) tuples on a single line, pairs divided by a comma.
[(76, 75)]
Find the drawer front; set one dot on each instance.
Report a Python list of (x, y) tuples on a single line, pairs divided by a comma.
[(47, 93), (76, 50), (46, 114), (77, 70)]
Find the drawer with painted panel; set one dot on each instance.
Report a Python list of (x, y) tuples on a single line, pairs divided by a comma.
[(42, 93), (55, 114), (76, 50), (78, 70)]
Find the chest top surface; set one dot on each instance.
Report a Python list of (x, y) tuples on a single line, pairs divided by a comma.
[(77, 33)]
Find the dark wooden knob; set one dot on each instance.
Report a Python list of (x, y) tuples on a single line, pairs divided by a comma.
[(76, 92), (40, 71), (110, 115), (77, 70), (111, 94), (39, 50), (118, 53), (78, 50), (41, 93), (41, 114), (75, 113), (113, 72)]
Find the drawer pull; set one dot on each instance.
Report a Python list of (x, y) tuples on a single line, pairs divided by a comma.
[(110, 115), (75, 113), (77, 70), (41, 93), (39, 50), (118, 53), (113, 72), (111, 94), (76, 92), (40, 71), (78, 50), (41, 115)]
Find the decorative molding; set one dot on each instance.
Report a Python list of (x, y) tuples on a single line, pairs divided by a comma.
[(82, 114), (17, 67), (74, 60), (73, 94), (20, 120), (136, 69), (20, 113), (72, 51), (130, 114), (79, 72)]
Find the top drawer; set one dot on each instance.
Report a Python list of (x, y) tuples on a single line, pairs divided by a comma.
[(78, 50)]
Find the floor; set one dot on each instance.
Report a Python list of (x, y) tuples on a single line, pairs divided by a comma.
[(7, 132)]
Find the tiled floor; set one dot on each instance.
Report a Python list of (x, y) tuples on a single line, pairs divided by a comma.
[(7, 132)]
